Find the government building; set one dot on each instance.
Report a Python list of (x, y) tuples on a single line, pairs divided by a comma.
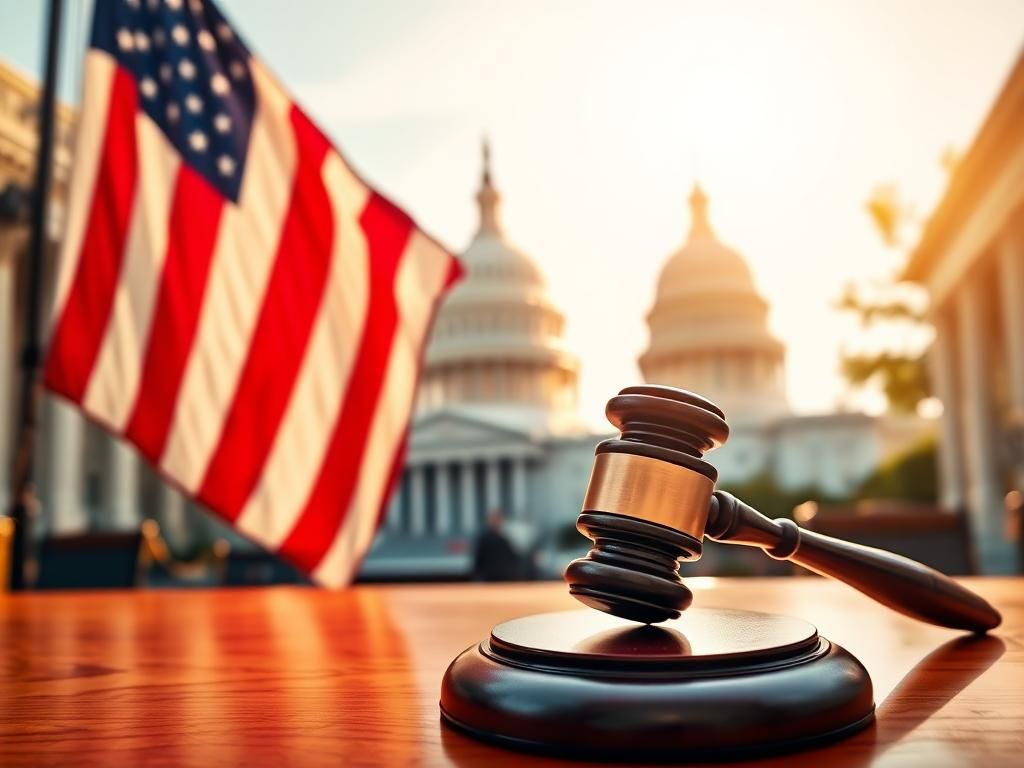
[(971, 260), (709, 333)]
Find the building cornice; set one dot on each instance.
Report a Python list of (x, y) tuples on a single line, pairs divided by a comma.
[(999, 133)]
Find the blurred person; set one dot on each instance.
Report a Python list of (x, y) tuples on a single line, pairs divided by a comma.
[(494, 558)]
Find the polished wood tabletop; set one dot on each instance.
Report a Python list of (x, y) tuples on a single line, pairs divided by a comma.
[(297, 677)]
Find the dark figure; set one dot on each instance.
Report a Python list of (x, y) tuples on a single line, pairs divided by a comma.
[(494, 558)]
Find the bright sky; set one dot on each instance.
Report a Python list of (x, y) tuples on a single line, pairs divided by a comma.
[(601, 114)]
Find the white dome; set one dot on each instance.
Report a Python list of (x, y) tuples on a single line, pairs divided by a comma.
[(497, 341), (709, 327)]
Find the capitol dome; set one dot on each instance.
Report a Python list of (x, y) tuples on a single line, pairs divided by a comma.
[(709, 330), (497, 342)]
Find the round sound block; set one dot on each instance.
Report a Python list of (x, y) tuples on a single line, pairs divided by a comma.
[(712, 684)]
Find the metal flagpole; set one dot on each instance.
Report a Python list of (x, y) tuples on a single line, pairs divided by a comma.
[(23, 494)]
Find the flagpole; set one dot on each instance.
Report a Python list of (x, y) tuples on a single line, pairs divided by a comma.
[(23, 494)]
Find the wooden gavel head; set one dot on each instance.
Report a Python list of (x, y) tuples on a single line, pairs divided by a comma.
[(647, 503)]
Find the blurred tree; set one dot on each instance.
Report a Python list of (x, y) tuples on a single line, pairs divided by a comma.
[(910, 476), (898, 364), (765, 494)]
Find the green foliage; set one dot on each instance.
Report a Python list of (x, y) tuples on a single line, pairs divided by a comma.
[(904, 378), (764, 494), (888, 213), (897, 308), (902, 373), (911, 476)]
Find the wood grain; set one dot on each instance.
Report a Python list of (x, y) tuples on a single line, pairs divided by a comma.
[(303, 677)]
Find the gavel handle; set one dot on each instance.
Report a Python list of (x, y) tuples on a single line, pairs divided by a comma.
[(903, 584)]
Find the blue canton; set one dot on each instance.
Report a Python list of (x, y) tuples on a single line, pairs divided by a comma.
[(193, 79)]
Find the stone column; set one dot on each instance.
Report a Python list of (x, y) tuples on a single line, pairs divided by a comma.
[(121, 494), (394, 518), (8, 372), (984, 487), (63, 502), (942, 362), (1011, 289), (442, 499), (469, 502), (519, 500), (417, 501), (493, 485), (174, 518)]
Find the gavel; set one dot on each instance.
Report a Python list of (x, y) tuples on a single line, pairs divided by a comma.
[(652, 500)]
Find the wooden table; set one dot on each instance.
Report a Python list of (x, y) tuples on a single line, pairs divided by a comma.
[(296, 677)]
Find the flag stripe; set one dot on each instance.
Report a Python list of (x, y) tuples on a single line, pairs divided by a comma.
[(279, 340), (387, 233), (301, 442), (195, 216), (424, 273), (98, 76), (115, 378), (79, 331), (245, 251)]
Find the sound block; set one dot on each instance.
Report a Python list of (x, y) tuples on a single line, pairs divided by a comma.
[(713, 684)]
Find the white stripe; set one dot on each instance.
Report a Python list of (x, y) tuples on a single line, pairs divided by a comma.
[(115, 378), (421, 277), (293, 464), (242, 261), (92, 128)]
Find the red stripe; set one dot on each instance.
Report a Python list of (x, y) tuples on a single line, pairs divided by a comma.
[(278, 345), (194, 220), (79, 333), (387, 231)]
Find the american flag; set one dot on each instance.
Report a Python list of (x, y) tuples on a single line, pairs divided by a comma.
[(232, 298)]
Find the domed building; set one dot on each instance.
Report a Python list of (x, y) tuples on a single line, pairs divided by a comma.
[(709, 327), (496, 426), (496, 346), (709, 334)]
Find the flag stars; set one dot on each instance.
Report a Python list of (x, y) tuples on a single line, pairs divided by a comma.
[(198, 141), (125, 40), (237, 69), (193, 104), (206, 40), (166, 72), (220, 84), (180, 34), (196, 6), (148, 87), (225, 165), (222, 123), (186, 69), (153, 4), (159, 37), (174, 5), (173, 112), (141, 41), (133, 4), (224, 32)]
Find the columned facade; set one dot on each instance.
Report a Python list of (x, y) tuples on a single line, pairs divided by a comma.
[(443, 498), (971, 260), (86, 479)]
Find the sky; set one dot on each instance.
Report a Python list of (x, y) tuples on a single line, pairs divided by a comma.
[(603, 114)]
